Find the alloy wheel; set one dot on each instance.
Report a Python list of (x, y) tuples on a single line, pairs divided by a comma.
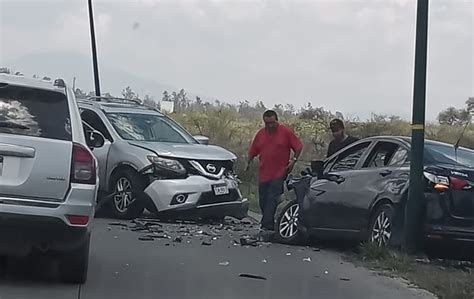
[(288, 227), (123, 195), (381, 230)]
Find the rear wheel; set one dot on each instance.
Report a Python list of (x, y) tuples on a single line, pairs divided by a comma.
[(73, 264), (127, 184), (287, 227), (380, 230)]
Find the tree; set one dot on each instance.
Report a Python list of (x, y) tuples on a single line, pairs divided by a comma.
[(470, 105), (128, 93), (149, 101), (79, 93), (452, 116), (166, 96), (5, 70)]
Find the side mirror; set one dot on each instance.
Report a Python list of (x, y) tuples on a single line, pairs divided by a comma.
[(95, 139), (317, 168), (202, 139)]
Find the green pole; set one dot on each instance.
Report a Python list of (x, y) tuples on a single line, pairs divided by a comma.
[(415, 205)]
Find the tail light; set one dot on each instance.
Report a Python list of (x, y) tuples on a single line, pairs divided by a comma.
[(444, 183), (459, 184), (83, 168)]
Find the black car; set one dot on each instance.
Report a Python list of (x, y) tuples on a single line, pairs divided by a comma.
[(357, 192)]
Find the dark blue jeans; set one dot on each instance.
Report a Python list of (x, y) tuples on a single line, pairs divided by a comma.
[(269, 197)]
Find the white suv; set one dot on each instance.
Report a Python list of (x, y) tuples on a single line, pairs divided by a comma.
[(48, 175)]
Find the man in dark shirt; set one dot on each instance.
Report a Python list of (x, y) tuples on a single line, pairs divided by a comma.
[(341, 139), (273, 145)]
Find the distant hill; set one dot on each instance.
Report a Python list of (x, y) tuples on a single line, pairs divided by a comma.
[(68, 65)]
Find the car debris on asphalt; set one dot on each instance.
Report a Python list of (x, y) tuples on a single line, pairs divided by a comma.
[(308, 259), (252, 276)]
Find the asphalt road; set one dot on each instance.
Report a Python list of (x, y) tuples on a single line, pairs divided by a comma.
[(122, 266)]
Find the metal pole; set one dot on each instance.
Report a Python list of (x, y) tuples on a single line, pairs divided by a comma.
[(94, 51), (415, 205)]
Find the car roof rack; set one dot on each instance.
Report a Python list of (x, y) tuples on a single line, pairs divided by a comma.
[(111, 100)]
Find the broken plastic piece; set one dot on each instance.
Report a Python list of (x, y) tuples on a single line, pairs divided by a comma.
[(146, 238), (252, 276), (226, 263), (308, 259)]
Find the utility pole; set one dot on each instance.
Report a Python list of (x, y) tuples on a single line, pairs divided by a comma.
[(94, 51), (415, 205)]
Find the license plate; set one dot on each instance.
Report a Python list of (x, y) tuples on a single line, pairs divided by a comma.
[(220, 190)]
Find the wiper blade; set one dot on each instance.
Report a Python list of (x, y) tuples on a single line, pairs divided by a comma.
[(11, 125), (456, 145)]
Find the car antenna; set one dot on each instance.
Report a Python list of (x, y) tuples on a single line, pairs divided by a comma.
[(456, 145)]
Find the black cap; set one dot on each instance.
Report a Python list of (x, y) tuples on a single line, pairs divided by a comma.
[(336, 124)]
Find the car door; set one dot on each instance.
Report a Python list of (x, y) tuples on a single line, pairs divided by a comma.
[(380, 177), (93, 120), (327, 194)]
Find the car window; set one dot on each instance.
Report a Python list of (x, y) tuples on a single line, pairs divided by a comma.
[(148, 127), (94, 120), (381, 154), (348, 159), (400, 157), (34, 112)]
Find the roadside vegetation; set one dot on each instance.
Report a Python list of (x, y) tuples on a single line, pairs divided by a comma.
[(443, 277)]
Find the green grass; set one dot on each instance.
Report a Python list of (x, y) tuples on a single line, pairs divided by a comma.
[(444, 279)]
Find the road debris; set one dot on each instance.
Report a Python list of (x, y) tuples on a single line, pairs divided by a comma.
[(264, 261), (344, 279), (308, 259), (288, 253), (226, 263), (326, 272), (178, 240), (316, 249), (244, 275), (118, 224), (248, 241), (206, 243), (146, 238)]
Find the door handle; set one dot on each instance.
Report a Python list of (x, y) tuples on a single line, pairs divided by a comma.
[(385, 173)]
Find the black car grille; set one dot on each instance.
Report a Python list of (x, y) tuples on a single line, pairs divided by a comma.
[(211, 167), (208, 198)]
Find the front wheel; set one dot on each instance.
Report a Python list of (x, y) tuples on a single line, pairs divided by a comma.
[(380, 230), (125, 203), (287, 228)]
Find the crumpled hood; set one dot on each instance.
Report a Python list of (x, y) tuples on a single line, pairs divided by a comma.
[(186, 151)]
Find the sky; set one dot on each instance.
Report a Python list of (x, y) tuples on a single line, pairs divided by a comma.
[(352, 56)]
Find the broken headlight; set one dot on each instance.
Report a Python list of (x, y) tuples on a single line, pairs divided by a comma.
[(167, 164)]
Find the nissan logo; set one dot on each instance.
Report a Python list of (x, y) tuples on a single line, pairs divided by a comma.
[(211, 168)]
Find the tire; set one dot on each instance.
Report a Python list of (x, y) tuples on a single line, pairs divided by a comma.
[(124, 204), (380, 229), (286, 226), (73, 264)]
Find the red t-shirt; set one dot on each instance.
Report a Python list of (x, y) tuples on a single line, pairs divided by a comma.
[(273, 151)]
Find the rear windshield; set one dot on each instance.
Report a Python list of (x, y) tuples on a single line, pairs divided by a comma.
[(34, 112), (444, 153)]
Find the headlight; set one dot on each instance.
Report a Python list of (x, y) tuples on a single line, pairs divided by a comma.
[(168, 164)]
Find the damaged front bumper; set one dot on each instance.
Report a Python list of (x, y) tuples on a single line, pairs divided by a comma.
[(198, 196)]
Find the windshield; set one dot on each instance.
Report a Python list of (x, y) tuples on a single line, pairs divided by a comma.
[(148, 127), (445, 153)]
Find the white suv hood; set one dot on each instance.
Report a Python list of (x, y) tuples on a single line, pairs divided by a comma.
[(187, 151)]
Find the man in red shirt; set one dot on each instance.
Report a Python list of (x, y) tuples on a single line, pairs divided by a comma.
[(273, 145)]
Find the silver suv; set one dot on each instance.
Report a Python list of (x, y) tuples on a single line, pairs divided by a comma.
[(48, 181), (149, 161)]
